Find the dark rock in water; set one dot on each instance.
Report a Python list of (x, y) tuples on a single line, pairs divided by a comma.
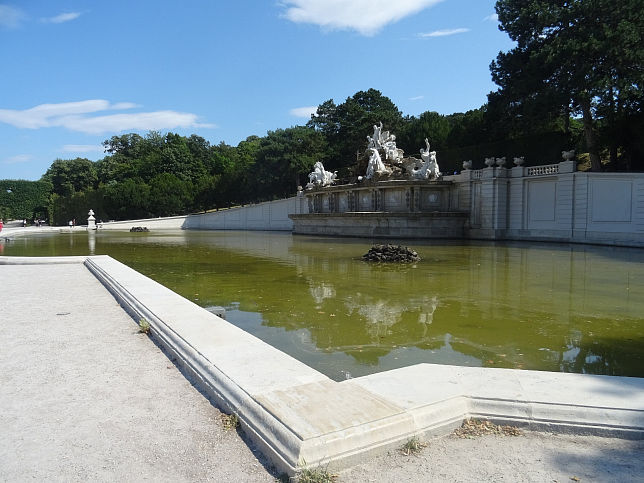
[(139, 229), (391, 253)]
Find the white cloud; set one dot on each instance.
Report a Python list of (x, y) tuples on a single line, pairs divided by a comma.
[(82, 148), (365, 16), (123, 105), (443, 33), (10, 17), (142, 121), (492, 18), (17, 159), (75, 117), (305, 112), (417, 98), (63, 17)]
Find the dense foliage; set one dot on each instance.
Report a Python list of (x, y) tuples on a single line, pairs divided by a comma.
[(580, 57), (20, 199)]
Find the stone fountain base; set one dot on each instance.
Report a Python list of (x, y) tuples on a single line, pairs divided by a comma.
[(386, 209), (382, 225)]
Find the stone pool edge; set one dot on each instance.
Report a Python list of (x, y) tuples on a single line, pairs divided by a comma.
[(296, 414)]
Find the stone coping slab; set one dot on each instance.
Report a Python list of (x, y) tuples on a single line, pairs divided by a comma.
[(296, 414)]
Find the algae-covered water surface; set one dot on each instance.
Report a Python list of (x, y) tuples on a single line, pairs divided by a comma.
[(552, 307)]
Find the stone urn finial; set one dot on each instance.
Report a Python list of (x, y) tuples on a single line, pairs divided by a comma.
[(500, 162), (519, 161), (568, 155), (490, 162), (467, 164)]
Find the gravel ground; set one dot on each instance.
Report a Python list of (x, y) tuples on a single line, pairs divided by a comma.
[(533, 457), (85, 397)]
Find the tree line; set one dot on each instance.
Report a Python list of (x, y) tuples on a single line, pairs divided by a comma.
[(573, 81)]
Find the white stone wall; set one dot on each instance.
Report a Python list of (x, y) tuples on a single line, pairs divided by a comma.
[(554, 202), (272, 215), (168, 223), (269, 216)]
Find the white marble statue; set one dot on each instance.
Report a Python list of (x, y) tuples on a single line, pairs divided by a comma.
[(429, 169), (375, 166), (392, 153), (381, 140), (320, 177), (375, 141)]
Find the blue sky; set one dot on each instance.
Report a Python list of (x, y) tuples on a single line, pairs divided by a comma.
[(76, 72)]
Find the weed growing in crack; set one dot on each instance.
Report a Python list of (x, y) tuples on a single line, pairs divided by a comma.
[(413, 446), (230, 421), (144, 326)]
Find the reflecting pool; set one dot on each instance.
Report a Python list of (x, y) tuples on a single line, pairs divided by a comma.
[(553, 307)]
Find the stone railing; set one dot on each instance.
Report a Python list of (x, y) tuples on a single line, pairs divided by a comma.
[(543, 170), (477, 174)]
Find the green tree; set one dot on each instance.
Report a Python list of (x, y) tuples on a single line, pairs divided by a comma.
[(72, 175), (128, 199), (239, 182), (285, 157), (573, 56), (21, 199), (430, 125), (169, 195)]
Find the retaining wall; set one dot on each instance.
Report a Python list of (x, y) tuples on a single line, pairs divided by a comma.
[(268, 216), (552, 202)]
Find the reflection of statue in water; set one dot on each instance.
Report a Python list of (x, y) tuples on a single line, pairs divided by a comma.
[(320, 177), (320, 292), (426, 318)]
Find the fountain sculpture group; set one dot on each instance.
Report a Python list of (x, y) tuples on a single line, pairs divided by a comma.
[(382, 145), (391, 195)]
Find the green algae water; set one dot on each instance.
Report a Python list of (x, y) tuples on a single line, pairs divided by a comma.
[(551, 307)]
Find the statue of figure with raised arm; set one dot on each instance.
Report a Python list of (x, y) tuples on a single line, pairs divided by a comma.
[(429, 169), (375, 141)]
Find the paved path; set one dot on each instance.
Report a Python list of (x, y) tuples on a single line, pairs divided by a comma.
[(84, 397)]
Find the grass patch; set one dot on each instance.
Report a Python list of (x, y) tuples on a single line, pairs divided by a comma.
[(229, 421), (305, 474), (413, 446), (475, 427), (144, 326)]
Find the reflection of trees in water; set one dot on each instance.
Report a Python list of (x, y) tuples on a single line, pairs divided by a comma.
[(585, 355)]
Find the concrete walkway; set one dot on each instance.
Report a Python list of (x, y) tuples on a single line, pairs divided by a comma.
[(86, 397)]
